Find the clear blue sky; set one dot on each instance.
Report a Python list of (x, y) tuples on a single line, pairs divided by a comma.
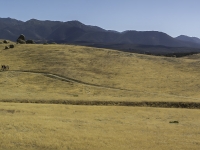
[(173, 17)]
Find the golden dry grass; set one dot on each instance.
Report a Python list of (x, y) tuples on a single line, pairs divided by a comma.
[(36, 126), (68, 72), (143, 78)]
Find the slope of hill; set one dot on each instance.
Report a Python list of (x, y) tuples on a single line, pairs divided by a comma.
[(77, 32), (59, 74), (157, 50), (67, 72)]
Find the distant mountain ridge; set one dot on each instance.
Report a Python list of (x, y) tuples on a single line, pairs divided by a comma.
[(77, 32), (188, 39)]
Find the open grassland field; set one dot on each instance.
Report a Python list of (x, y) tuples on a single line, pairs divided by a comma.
[(68, 72), (51, 126), (51, 75)]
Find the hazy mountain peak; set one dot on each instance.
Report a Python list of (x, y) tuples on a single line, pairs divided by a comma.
[(10, 21), (188, 39), (78, 24), (32, 20), (75, 31)]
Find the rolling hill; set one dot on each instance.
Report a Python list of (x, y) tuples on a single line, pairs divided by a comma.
[(67, 72), (47, 93)]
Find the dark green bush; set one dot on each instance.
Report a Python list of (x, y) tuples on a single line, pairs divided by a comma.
[(30, 42), (22, 37), (11, 46), (173, 122), (6, 47), (5, 41), (20, 41)]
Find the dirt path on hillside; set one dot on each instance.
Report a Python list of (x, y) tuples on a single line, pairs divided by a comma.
[(191, 105), (67, 79)]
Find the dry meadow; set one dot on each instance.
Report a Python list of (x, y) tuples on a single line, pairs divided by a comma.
[(44, 73)]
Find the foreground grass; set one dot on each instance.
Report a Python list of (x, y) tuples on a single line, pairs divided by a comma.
[(116, 75), (42, 126)]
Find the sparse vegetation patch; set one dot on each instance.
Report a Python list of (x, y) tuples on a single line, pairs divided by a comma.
[(5, 42), (21, 39), (30, 42), (173, 122), (6, 47), (11, 46)]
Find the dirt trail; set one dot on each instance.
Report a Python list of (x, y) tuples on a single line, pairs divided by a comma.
[(67, 79), (190, 105)]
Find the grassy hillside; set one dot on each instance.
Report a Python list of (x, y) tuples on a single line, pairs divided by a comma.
[(55, 73), (68, 72)]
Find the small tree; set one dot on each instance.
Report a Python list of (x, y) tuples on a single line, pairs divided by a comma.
[(20, 41)]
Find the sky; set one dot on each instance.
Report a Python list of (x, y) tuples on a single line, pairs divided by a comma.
[(174, 17)]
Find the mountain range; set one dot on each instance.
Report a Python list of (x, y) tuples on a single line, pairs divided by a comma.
[(76, 32)]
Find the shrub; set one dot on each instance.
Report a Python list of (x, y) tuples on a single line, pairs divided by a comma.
[(22, 37), (53, 43), (11, 46), (20, 41), (5, 41), (173, 122), (30, 42), (6, 47)]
